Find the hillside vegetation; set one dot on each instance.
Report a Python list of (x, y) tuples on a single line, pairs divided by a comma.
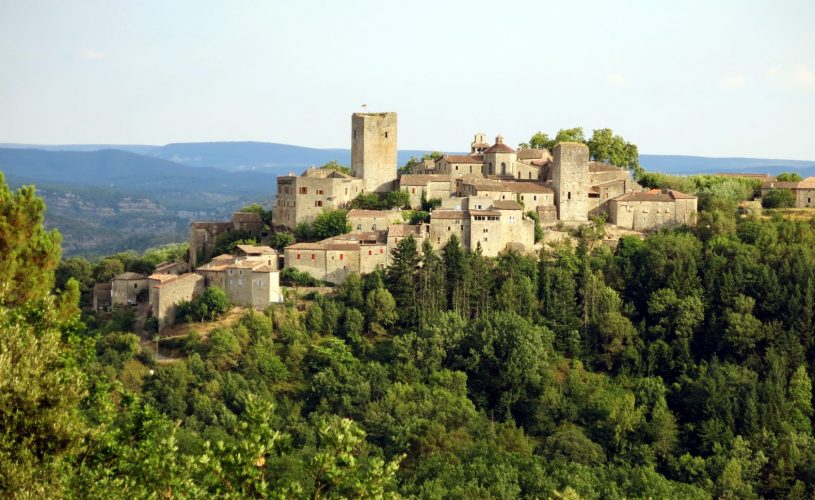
[(677, 366)]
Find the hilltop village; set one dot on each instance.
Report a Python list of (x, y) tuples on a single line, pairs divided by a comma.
[(491, 199), (488, 198)]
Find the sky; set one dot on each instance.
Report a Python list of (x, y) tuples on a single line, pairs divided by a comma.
[(710, 78)]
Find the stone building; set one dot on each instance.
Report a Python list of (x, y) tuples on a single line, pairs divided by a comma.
[(453, 166), (302, 198), (125, 288), (494, 224), (804, 191), (167, 291), (398, 232), (334, 258), (432, 186), (177, 267), (102, 297), (373, 220), (646, 210), (499, 159), (203, 235), (250, 278), (570, 181), (373, 150), (530, 194)]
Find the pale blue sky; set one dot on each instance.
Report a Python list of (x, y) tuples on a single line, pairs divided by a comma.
[(715, 78)]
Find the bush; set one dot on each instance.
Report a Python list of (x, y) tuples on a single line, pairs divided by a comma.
[(292, 277), (778, 198)]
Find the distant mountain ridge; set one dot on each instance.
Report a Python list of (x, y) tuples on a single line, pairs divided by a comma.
[(280, 158)]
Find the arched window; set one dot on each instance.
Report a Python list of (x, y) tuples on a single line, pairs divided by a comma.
[(503, 168)]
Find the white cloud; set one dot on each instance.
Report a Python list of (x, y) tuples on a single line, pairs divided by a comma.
[(799, 75), (617, 80), (732, 82), (92, 54)]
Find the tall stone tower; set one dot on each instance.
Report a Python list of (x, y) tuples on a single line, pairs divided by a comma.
[(373, 150), (570, 177)]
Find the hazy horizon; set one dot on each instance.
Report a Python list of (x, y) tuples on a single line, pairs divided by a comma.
[(720, 80)]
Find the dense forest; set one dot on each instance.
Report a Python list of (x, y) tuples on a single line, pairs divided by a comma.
[(674, 366)]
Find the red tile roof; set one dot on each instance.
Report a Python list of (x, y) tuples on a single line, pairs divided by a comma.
[(499, 148), (447, 214), (506, 205), (464, 159), (422, 180)]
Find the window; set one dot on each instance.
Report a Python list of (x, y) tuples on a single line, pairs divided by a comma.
[(456, 168), (303, 190), (381, 250), (503, 168), (240, 272), (346, 190), (535, 198), (448, 228), (486, 230), (373, 227), (570, 195), (298, 256), (318, 203), (413, 191), (471, 169), (135, 285), (313, 257), (260, 283), (530, 175), (231, 272), (320, 191), (386, 135), (370, 252)]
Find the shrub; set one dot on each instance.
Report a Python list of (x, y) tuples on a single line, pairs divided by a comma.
[(778, 198)]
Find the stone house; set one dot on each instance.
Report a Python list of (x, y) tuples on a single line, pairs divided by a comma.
[(424, 167), (255, 253), (203, 235), (646, 210), (529, 194), (453, 166), (302, 198), (168, 290), (175, 268), (373, 220), (250, 281), (334, 258), (398, 232), (432, 186), (125, 288), (804, 191), (102, 297)]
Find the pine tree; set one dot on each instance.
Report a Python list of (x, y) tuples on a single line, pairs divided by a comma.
[(400, 279)]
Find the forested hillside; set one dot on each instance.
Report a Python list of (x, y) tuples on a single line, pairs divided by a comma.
[(675, 366)]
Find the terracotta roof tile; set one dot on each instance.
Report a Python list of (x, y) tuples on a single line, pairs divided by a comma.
[(464, 159), (404, 230), (448, 214), (499, 148), (161, 277), (506, 205), (357, 212), (421, 180), (176, 279), (129, 276), (256, 249)]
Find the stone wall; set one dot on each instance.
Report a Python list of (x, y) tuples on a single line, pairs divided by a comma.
[(124, 292), (165, 296), (646, 215), (570, 181), (373, 150)]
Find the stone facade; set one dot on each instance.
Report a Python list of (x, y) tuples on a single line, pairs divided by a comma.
[(334, 258), (203, 235), (373, 220), (250, 280), (570, 181), (432, 186), (302, 198), (454, 166), (530, 194), (804, 191), (373, 150), (646, 210), (167, 291), (102, 296), (125, 288), (499, 159)]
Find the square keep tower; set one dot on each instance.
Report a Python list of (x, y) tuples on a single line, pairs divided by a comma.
[(373, 150)]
